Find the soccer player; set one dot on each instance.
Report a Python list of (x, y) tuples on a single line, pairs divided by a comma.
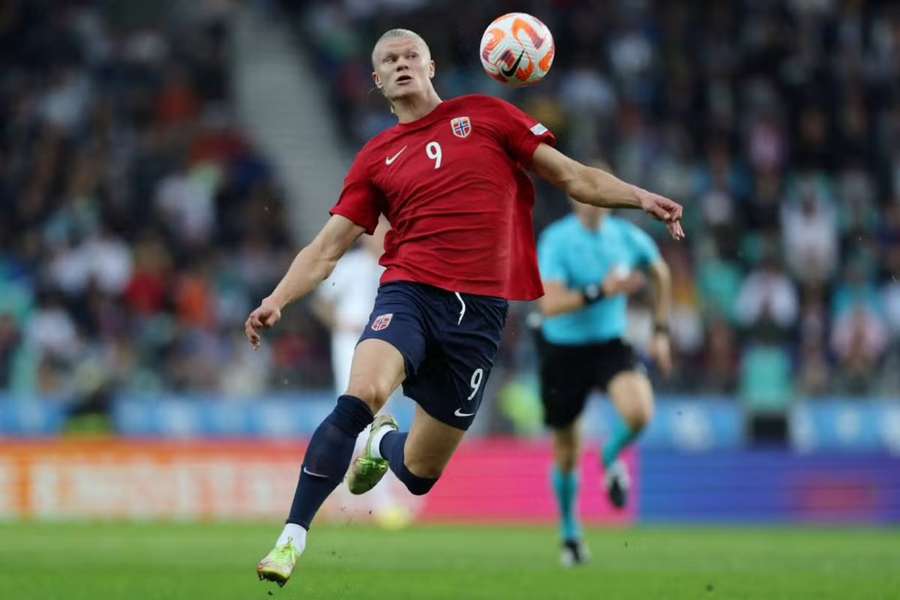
[(587, 262), (451, 179)]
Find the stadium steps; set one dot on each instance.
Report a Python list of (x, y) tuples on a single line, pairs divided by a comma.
[(282, 111)]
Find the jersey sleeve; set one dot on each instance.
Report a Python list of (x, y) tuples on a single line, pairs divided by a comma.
[(550, 259), (643, 247), (360, 200), (522, 133)]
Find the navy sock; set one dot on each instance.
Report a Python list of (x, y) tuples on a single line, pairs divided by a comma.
[(392, 449), (327, 457)]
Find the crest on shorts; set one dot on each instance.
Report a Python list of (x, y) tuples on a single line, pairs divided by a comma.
[(461, 126), (382, 321)]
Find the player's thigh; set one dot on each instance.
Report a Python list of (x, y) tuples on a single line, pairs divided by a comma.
[(377, 370), (450, 385), (632, 395), (391, 346), (430, 445)]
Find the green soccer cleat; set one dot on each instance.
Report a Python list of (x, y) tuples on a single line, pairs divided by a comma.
[(278, 564), (366, 471)]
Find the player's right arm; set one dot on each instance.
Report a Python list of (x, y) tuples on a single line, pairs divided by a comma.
[(599, 188), (312, 265)]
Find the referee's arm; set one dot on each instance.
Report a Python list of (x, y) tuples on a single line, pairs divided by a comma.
[(559, 299), (662, 297), (660, 348)]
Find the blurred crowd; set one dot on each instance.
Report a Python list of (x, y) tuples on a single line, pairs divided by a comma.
[(776, 123), (137, 225)]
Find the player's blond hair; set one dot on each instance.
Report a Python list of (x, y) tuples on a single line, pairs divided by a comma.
[(397, 33)]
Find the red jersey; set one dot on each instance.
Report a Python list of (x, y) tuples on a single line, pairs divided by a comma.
[(453, 186)]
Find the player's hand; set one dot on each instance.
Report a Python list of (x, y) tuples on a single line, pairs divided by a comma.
[(663, 209), (619, 283), (264, 317), (661, 351)]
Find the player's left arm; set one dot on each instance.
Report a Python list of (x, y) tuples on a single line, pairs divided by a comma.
[(595, 186), (660, 347)]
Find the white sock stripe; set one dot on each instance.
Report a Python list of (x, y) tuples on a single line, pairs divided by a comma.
[(296, 534), (375, 445), (463, 305)]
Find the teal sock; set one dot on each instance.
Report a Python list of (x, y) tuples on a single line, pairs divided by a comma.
[(621, 440), (565, 485)]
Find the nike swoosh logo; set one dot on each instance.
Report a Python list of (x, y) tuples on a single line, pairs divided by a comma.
[(391, 159), (459, 413), (316, 475), (509, 73)]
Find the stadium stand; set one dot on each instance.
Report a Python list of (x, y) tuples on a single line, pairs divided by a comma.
[(138, 225), (776, 123)]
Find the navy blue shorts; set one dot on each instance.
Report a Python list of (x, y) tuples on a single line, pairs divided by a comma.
[(448, 341)]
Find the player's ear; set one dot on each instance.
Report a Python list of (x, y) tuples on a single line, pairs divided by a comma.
[(431, 69), (376, 79)]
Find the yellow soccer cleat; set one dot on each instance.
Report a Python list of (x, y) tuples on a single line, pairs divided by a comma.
[(366, 470), (278, 564)]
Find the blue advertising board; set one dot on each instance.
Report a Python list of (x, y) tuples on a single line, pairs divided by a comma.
[(769, 486)]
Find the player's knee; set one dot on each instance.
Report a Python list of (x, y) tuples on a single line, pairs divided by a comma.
[(566, 456), (373, 394), (566, 462), (639, 417), (565, 447)]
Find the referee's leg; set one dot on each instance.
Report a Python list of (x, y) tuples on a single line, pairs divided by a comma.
[(632, 395)]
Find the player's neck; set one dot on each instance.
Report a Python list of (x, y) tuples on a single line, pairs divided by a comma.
[(413, 108), (590, 223)]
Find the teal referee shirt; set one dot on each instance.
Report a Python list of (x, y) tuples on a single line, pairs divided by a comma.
[(575, 256)]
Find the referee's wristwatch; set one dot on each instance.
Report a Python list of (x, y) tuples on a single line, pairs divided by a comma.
[(662, 328), (592, 293)]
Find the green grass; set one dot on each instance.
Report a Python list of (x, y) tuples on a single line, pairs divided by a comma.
[(197, 562)]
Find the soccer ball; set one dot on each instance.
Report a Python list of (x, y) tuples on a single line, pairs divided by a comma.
[(517, 49)]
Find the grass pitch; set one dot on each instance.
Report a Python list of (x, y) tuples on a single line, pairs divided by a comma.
[(194, 562)]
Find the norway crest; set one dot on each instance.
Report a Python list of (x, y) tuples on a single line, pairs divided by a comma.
[(461, 126), (382, 321)]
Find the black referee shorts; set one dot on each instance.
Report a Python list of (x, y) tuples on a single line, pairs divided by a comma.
[(569, 373)]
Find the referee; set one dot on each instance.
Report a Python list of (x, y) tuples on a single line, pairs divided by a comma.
[(589, 265)]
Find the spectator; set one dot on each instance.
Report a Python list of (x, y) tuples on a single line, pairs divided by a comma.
[(809, 229), (720, 358), (767, 299), (10, 340), (859, 339)]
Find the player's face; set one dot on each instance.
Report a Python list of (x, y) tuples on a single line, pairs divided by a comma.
[(403, 67)]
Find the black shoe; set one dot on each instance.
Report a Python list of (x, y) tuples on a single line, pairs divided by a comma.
[(574, 553), (617, 484)]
